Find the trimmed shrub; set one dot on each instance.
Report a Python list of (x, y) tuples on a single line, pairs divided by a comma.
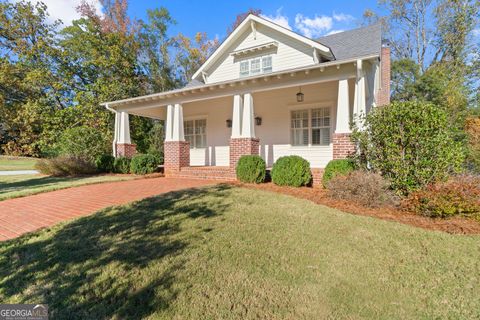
[(337, 167), (121, 165), (105, 162), (143, 164), (251, 169), (291, 171), (65, 166), (85, 142), (365, 188), (410, 143), (458, 196)]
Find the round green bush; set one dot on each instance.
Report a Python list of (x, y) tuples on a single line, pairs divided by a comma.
[(251, 169), (121, 165), (105, 163), (143, 164), (335, 168), (291, 171)]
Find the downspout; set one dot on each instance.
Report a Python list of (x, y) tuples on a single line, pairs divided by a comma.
[(115, 134)]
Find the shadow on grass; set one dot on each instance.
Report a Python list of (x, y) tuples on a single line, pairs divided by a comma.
[(34, 183), (96, 267)]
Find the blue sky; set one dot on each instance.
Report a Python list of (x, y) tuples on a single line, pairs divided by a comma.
[(312, 18)]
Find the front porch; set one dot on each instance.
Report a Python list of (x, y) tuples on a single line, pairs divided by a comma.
[(208, 128)]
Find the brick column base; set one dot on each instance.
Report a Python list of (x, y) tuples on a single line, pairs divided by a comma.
[(342, 145), (240, 147), (126, 150), (177, 155), (317, 175)]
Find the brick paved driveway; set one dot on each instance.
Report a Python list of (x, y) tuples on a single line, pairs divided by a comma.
[(22, 215)]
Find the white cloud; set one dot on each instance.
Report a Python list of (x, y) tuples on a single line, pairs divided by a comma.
[(313, 27), (66, 10), (278, 18), (342, 17), (334, 31), (476, 32)]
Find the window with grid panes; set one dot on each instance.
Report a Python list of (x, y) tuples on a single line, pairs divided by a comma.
[(196, 133), (310, 127)]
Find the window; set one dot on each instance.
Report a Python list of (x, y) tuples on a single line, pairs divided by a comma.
[(321, 126), (244, 70), (256, 66), (267, 64), (196, 133), (300, 128), (310, 127)]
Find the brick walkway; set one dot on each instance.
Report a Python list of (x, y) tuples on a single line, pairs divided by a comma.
[(22, 215)]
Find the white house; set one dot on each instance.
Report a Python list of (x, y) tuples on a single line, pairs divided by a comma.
[(266, 90)]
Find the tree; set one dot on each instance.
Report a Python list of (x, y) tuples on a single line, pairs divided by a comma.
[(192, 54), (240, 17)]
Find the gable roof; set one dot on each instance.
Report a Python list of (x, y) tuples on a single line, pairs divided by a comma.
[(325, 50), (365, 41)]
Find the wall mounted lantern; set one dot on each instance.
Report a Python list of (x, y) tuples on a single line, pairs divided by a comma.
[(229, 123), (300, 95), (258, 121)]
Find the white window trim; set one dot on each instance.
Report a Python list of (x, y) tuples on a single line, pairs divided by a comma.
[(250, 74), (309, 107)]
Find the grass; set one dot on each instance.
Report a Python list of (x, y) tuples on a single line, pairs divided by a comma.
[(13, 163), (23, 185), (231, 253)]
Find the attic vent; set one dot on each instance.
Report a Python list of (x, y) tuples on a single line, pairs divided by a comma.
[(265, 46)]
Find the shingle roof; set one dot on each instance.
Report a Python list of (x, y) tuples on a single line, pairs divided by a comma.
[(355, 43), (194, 83)]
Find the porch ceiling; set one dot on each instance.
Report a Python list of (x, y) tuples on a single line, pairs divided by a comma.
[(317, 73)]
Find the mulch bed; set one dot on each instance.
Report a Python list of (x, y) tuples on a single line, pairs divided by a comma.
[(455, 225)]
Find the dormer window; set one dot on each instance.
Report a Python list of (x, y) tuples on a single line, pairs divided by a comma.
[(255, 66), (244, 68)]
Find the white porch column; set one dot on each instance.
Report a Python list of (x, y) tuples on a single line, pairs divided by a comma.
[(116, 133), (343, 108), (248, 124), (124, 130), (359, 102), (372, 86), (237, 116), (169, 123), (177, 131)]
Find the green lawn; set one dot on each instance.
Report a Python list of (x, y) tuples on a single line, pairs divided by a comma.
[(24, 185), (11, 163), (231, 253)]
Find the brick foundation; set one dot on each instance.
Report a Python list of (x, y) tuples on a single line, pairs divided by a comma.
[(205, 173), (240, 147), (126, 150), (342, 145), (317, 175), (177, 156)]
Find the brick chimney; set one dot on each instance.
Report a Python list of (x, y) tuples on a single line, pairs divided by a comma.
[(383, 96)]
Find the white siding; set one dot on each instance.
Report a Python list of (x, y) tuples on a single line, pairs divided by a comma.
[(290, 54)]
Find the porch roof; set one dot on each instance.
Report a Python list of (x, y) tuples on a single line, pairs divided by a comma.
[(190, 91)]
